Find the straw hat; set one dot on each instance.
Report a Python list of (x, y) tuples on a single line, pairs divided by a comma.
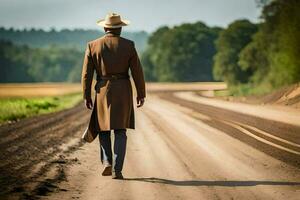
[(112, 20)]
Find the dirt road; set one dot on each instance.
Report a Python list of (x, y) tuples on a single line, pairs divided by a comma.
[(181, 149)]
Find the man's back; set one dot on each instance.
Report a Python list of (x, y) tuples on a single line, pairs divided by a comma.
[(111, 54)]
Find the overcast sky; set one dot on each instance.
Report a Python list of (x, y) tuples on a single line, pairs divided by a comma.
[(144, 14)]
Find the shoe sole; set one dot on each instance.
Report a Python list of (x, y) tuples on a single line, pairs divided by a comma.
[(114, 176), (117, 177), (107, 171)]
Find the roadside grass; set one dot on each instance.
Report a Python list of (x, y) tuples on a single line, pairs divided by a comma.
[(221, 93), (245, 90), (15, 108)]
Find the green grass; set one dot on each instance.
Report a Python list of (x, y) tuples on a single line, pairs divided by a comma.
[(221, 93), (245, 90), (12, 109)]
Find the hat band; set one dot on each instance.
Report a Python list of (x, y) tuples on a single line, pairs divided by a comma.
[(114, 24)]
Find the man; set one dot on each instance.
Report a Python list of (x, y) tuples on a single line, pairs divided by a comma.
[(111, 57)]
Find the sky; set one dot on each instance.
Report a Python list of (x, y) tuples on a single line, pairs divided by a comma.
[(145, 15)]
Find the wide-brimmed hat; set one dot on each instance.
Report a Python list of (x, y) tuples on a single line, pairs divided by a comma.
[(113, 20)]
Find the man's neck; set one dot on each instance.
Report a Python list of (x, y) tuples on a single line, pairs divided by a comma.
[(113, 32)]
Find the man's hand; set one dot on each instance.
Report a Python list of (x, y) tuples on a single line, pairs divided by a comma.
[(140, 102), (88, 103)]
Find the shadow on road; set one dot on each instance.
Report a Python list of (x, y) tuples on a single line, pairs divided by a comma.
[(212, 183)]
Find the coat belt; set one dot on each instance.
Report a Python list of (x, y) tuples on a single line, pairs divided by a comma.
[(113, 77)]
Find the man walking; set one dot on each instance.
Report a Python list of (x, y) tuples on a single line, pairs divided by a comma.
[(111, 57)]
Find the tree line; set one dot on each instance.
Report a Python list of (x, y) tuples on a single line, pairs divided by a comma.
[(267, 56), (36, 55), (21, 63), (77, 38), (249, 57), (181, 53)]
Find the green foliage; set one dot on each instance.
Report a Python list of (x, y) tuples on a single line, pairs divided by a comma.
[(256, 62), (274, 53), (254, 57), (284, 59), (244, 89), (229, 44), (148, 67), (55, 64), (181, 53), (73, 39), (12, 109), (52, 64)]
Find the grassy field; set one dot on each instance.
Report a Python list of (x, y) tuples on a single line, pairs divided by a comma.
[(19, 101), (8, 90), (12, 109)]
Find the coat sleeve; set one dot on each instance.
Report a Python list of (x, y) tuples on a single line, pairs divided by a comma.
[(87, 73), (137, 73)]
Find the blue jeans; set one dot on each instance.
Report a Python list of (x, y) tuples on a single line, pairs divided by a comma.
[(116, 159)]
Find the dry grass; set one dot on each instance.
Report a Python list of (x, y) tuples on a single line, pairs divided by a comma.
[(187, 86), (55, 89), (37, 89), (15, 108)]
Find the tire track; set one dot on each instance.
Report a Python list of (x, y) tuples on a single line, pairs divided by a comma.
[(217, 116)]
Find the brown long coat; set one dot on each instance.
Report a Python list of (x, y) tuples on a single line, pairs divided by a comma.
[(113, 105)]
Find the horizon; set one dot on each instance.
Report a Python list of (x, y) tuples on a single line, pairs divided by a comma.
[(63, 28), (102, 30), (21, 15)]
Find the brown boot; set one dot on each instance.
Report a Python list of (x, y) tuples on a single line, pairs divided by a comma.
[(107, 169), (117, 175)]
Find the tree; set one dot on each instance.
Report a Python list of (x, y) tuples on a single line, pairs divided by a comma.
[(13, 64), (25, 64), (181, 53), (229, 44), (274, 53)]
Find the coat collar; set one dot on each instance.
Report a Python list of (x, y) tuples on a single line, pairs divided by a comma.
[(112, 34)]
